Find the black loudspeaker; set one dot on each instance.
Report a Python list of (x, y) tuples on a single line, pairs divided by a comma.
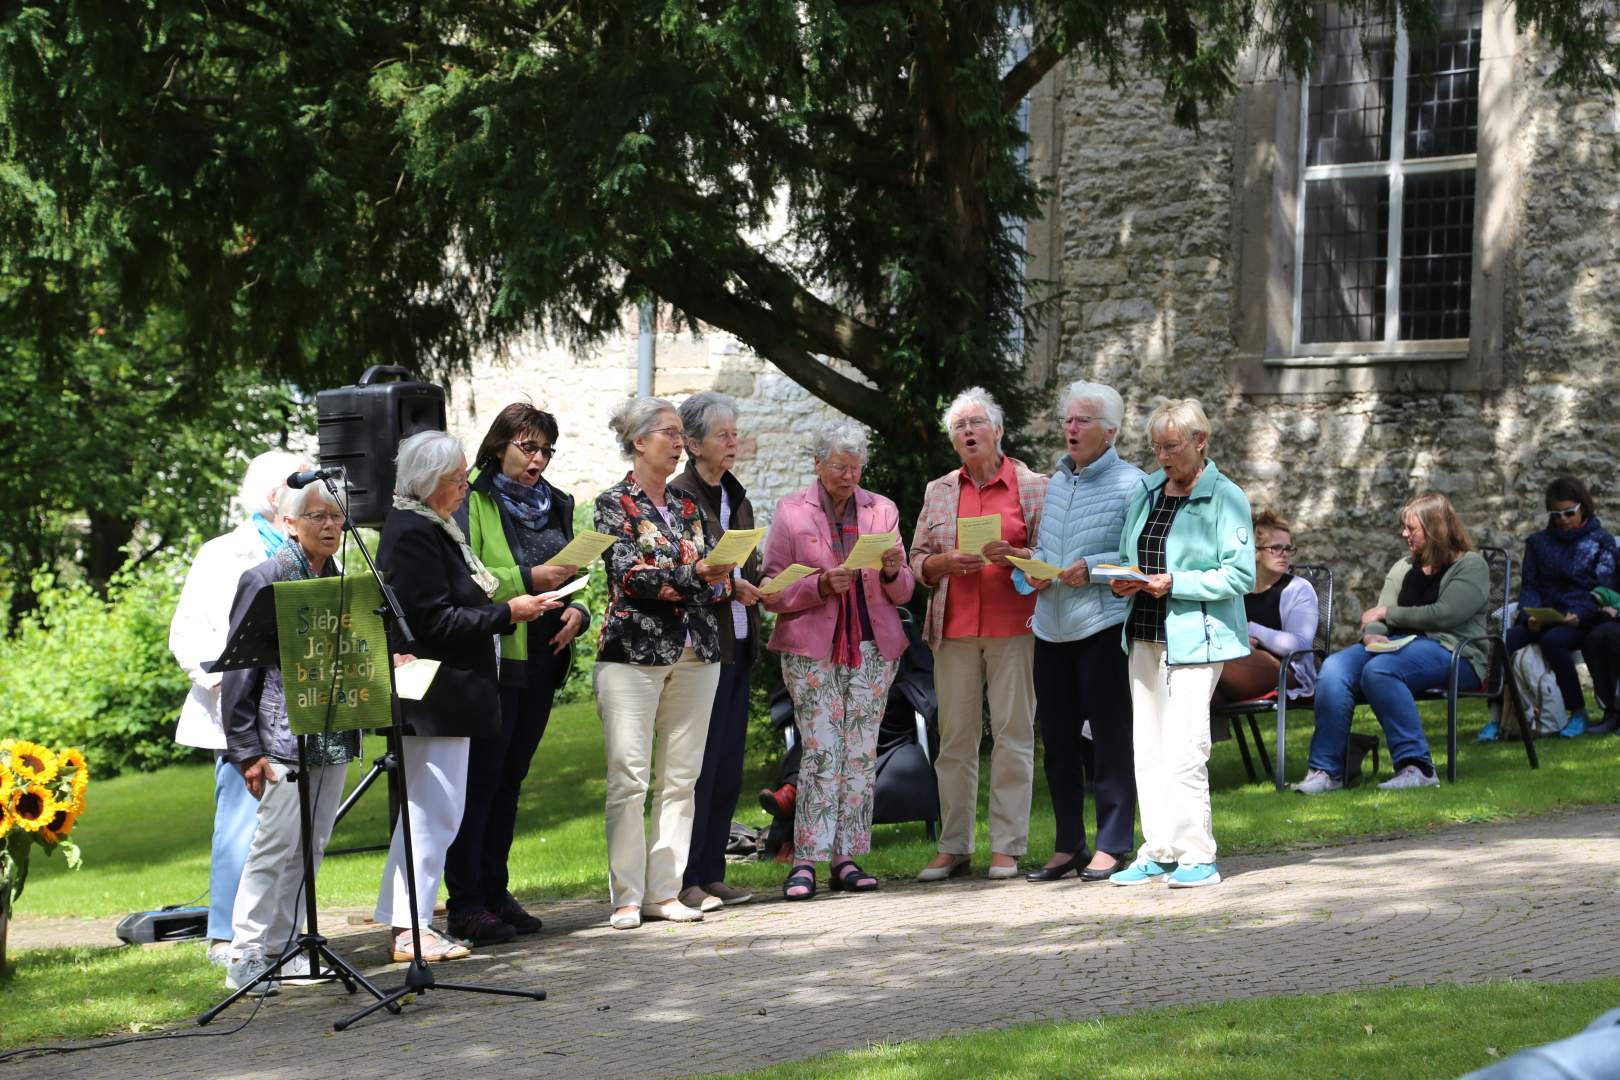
[(360, 427)]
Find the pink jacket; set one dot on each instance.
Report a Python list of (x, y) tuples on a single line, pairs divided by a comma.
[(804, 620)]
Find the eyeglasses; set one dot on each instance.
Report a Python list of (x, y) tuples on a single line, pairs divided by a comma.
[(668, 432), (1167, 447), (843, 470), (1277, 549), (1567, 512), (967, 423), (323, 518), (1080, 421), (530, 449)]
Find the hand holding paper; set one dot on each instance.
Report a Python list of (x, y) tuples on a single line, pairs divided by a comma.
[(582, 550), (568, 589), (734, 547), (1038, 569), (973, 533), (1113, 572), (867, 554), (796, 572)]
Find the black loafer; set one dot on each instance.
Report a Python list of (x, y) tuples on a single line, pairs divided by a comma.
[(1053, 873), (1088, 874)]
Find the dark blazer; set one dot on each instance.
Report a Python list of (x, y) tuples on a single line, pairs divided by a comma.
[(454, 623), (742, 517)]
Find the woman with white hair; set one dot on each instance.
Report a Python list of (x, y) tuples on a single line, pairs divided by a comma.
[(978, 627), (656, 663), (196, 636), (1188, 532), (840, 640), (1082, 693), (445, 592)]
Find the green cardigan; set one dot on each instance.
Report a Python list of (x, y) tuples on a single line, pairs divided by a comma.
[(1210, 556), (1458, 614)]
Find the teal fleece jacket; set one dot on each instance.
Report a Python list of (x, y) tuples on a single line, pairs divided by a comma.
[(1210, 556)]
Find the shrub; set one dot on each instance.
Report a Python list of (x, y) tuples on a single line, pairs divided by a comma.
[(97, 672)]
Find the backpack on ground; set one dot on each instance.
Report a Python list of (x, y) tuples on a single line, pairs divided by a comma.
[(1538, 691)]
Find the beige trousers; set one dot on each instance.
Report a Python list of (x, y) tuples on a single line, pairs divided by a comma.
[(648, 709), (1170, 725), (964, 669)]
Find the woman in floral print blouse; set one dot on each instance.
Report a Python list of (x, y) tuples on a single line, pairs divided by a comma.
[(656, 669)]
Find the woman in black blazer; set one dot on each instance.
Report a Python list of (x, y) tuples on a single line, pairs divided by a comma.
[(444, 592)]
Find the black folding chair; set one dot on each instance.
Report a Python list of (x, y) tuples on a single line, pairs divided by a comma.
[(1321, 579)]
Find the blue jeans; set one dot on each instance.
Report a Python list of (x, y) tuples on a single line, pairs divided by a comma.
[(236, 816), (1385, 681)]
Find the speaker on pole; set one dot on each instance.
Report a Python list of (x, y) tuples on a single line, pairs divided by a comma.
[(360, 427)]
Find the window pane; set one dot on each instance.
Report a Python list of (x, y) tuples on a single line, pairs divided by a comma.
[(1437, 246), (1442, 87), (1352, 76), (1346, 252)]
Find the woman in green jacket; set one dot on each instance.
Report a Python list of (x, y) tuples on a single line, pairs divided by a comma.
[(1187, 530), (514, 521), (1433, 597)]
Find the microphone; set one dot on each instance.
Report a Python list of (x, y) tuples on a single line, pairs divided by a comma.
[(304, 479)]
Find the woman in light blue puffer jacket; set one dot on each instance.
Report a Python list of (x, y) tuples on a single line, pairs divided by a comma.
[(1080, 672)]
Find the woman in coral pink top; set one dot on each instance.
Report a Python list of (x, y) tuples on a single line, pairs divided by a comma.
[(840, 639)]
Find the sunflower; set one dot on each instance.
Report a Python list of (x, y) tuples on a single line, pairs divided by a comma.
[(33, 762), (61, 824), (34, 806), (5, 823), (71, 762), (7, 782)]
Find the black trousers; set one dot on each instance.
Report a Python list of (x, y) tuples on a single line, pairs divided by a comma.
[(475, 874), (1076, 682), (1602, 652), (720, 782)]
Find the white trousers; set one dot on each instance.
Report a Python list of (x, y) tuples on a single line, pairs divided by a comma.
[(648, 709), (1170, 725), (436, 789), (265, 916), (964, 668)]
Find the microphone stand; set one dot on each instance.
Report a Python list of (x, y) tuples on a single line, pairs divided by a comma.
[(418, 976)]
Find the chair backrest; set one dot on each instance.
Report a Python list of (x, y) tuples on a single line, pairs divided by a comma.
[(1321, 579), (1500, 563)]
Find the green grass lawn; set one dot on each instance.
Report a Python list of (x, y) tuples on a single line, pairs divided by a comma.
[(1406, 1033)]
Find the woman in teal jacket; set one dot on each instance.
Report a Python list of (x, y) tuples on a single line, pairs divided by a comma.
[(1187, 529)]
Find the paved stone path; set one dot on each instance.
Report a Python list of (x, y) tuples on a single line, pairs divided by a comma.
[(771, 981)]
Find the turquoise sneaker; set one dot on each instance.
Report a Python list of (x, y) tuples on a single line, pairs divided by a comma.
[(1491, 732), (1142, 871), (1192, 875), (1576, 726)]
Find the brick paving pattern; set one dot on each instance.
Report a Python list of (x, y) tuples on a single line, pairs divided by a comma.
[(773, 981)]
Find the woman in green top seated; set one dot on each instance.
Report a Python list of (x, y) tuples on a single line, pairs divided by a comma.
[(1433, 598)]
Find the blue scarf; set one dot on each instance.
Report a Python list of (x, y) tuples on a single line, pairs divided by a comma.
[(268, 535), (530, 505)]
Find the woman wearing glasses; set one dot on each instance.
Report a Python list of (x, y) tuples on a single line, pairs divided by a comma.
[(1282, 619), (657, 663), (1188, 530), (978, 627), (1563, 563), (515, 522)]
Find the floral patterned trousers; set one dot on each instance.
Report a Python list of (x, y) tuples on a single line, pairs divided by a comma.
[(838, 711)]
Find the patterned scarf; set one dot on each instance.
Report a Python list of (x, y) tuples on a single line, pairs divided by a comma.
[(529, 505), (480, 572)]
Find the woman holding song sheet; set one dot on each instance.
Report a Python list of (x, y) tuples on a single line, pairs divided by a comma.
[(972, 519), (840, 639), (516, 523), (710, 420)]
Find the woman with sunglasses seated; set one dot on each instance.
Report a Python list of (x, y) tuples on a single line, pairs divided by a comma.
[(1563, 563), (1282, 619)]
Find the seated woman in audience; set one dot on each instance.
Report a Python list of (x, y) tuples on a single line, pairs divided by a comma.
[(1602, 652), (1282, 619), (1563, 563), (1433, 598)]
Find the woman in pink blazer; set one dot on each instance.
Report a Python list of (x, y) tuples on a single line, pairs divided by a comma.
[(840, 639)]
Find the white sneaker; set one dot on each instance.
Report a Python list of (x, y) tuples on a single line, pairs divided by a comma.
[(219, 954), (1410, 777), (1318, 782), (295, 972), (245, 971)]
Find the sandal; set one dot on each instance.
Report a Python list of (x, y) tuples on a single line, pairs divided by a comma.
[(851, 879), (803, 876), (435, 947)]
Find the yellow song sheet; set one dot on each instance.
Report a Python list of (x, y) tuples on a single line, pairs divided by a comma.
[(1039, 569), (973, 533), (582, 550), (867, 554), (789, 575), (734, 547)]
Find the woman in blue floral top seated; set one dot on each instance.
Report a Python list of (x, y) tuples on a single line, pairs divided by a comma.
[(657, 663)]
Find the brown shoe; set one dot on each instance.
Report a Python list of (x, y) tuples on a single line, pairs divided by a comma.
[(727, 895)]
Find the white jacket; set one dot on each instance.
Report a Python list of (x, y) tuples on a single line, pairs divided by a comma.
[(201, 620)]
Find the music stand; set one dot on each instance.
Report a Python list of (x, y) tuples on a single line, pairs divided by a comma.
[(252, 643), (418, 976)]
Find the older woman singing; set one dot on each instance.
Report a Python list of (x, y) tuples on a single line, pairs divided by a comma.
[(445, 591), (840, 640)]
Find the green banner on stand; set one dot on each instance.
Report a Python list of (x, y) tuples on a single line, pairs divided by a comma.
[(334, 654)]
